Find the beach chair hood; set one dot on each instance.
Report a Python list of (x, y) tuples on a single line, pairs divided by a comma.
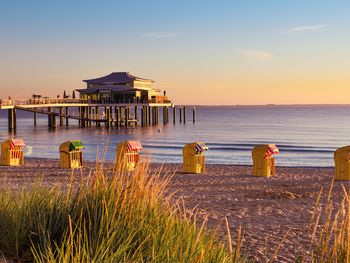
[(16, 143), (271, 150), (201, 147), (71, 146), (132, 146)]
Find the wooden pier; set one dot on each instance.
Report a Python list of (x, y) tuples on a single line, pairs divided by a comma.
[(88, 114)]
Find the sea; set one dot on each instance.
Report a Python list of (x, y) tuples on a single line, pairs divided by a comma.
[(306, 136)]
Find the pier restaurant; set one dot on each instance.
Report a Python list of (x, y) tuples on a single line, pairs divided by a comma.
[(121, 87)]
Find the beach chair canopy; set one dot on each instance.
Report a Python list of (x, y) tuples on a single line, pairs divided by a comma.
[(342, 153), (71, 146), (16, 143), (200, 147), (75, 145), (133, 146), (271, 150)]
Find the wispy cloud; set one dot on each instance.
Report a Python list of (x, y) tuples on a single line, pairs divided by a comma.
[(161, 34), (255, 55), (308, 28)]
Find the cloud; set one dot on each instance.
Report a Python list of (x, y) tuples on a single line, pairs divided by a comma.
[(308, 28), (255, 55), (161, 34)]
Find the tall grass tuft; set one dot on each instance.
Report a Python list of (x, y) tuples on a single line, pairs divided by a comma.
[(111, 217), (330, 240)]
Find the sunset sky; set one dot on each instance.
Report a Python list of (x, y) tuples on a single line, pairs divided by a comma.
[(200, 52)]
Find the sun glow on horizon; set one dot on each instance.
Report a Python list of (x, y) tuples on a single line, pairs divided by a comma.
[(223, 53)]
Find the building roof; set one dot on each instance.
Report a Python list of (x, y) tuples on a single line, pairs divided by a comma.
[(115, 88), (116, 78)]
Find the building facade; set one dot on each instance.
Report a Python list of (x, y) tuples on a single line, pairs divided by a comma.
[(121, 87)]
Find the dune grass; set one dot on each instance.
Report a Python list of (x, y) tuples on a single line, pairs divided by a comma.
[(113, 216), (330, 240)]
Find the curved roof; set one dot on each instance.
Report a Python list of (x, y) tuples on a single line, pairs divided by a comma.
[(115, 77)]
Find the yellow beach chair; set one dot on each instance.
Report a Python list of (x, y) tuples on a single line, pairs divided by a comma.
[(128, 155), (12, 152), (193, 158), (71, 155), (263, 161), (342, 163)]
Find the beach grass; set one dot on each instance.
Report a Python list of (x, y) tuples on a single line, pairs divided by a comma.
[(112, 216), (330, 229)]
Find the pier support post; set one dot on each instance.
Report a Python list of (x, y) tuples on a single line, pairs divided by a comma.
[(167, 114), (79, 114), (90, 115), (120, 116), (143, 111), (34, 118), (154, 115), (11, 120), (82, 117), (53, 121), (49, 119), (67, 119), (126, 116), (149, 115), (194, 115), (180, 113), (174, 115), (116, 116), (97, 111), (61, 118), (108, 117), (164, 115), (184, 114), (136, 115)]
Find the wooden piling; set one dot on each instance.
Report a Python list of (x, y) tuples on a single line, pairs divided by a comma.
[(97, 110), (118, 116), (11, 120), (53, 121), (126, 113), (174, 115), (34, 118), (136, 115), (61, 118), (184, 114), (194, 115), (90, 115), (49, 119), (82, 117), (67, 119), (180, 113), (108, 117), (157, 115)]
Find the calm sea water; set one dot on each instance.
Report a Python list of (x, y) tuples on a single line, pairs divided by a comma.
[(306, 136)]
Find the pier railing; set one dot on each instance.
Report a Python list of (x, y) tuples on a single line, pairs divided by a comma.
[(14, 102)]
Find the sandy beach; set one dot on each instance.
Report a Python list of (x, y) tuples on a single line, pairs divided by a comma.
[(265, 208)]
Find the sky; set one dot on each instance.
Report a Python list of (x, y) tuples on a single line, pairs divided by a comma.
[(200, 51)]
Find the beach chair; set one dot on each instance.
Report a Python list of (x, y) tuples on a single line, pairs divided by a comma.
[(128, 155), (193, 158), (71, 155), (342, 163), (12, 152), (263, 161)]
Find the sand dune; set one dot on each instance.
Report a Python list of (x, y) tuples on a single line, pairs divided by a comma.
[(265, 208)]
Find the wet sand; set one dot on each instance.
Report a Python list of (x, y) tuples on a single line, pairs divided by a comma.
[(265, 208)]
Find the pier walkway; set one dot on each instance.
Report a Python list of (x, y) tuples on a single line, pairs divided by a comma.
[(88, 113)]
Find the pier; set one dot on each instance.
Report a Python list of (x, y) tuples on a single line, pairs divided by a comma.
[(88, 114), (115, 100)]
